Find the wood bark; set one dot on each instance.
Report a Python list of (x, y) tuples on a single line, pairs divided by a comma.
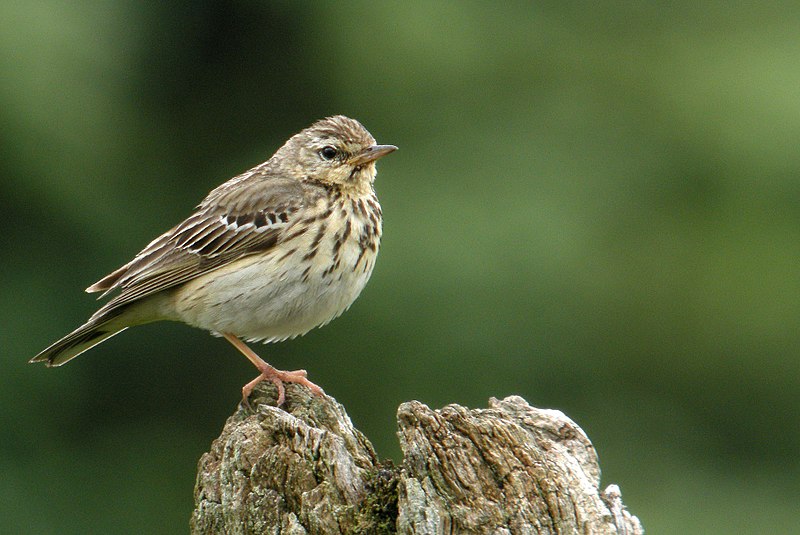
[(304, 469)]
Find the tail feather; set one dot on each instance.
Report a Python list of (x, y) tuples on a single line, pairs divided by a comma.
[(81, 339)]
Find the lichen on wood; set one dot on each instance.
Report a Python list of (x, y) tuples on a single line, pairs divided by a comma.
[(303, 468)]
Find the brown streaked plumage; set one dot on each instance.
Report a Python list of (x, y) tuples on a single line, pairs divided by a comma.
[(268, 255)]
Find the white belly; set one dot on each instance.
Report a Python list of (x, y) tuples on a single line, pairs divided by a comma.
[(264, 298)]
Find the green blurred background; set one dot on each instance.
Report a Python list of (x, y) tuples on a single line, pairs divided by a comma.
[(594, 207)]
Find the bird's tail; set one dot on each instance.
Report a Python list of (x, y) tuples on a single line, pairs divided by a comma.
[(81, 339)]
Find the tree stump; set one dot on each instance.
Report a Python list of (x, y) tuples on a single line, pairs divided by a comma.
[(304, 469)]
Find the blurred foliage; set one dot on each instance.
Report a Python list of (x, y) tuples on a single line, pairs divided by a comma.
[(595, 206)]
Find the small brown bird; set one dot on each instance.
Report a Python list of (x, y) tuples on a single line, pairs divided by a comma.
[(268, 255)]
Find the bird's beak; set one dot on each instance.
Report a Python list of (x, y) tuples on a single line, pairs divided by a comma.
[(371, 154)]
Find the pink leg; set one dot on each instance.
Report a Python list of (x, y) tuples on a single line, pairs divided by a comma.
[(278, 377)]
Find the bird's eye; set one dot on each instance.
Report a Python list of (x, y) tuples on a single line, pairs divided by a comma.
[(328, 153)]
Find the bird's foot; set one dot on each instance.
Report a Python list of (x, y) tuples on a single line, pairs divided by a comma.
[(278, 377)]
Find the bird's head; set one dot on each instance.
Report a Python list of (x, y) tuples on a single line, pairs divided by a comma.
[(337, 151)]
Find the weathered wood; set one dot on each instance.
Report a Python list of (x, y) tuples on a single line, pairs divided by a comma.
[(305, 469)]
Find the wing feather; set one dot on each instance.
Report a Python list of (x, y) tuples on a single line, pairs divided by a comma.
[(227, 225)]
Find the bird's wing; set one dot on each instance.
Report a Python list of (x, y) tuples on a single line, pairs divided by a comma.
[(239, 218)]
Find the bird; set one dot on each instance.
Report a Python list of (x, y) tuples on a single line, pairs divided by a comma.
[(267, 256)]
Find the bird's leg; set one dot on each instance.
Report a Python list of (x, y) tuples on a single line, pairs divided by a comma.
[(278, 377)]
